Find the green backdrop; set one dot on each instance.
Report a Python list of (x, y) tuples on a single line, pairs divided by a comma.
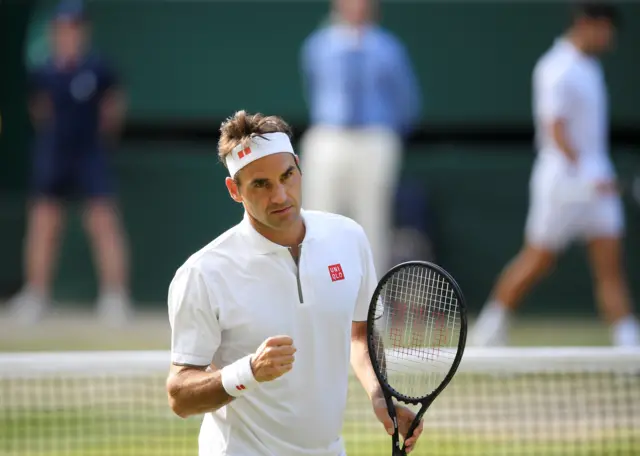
[(194, 60), (174, 202)]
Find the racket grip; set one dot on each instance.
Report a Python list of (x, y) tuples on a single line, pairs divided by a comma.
[(395, 438)]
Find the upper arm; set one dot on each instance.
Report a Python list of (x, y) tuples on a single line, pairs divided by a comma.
[(359, 330), (556, 97), (404, 81), (369, 280), (108, 77), (36, 86), (307, 55), (195, 329)]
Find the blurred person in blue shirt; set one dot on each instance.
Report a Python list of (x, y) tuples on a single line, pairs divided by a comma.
[(364, 99), (77, 108)]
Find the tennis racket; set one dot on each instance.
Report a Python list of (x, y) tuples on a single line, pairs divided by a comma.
[(416, 334)]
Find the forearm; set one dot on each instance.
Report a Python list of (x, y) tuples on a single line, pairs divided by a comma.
[(562, 141), (112, 114), (193, 392), (361, 364)]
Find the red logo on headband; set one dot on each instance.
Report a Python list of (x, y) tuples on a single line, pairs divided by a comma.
[(244, 152)]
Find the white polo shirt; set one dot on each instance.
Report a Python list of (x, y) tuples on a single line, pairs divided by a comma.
[(570, 85), (241, 289)]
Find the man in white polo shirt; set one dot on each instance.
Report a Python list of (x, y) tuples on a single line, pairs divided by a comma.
[(573, 183), (282, 284)]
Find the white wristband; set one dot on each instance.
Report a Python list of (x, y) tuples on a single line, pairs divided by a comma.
[(237, 377)]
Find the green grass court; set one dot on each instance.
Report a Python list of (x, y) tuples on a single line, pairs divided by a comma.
[(128, 416)]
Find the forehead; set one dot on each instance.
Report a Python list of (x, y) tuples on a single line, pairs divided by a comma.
[(271, 166)]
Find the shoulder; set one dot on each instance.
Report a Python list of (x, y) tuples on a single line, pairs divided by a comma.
[(315, 41), (386, 40), (217, 256), (99, 64), (556, 66), (330, 225), (42, 70)]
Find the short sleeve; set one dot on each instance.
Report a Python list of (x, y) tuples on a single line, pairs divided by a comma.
[(369, 279), (557, 99), (195, 330), (35, 81)]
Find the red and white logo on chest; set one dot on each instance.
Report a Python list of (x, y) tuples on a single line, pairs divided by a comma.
[(335, 270)]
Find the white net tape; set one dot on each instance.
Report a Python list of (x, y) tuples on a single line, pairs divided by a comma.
[(583, 401)]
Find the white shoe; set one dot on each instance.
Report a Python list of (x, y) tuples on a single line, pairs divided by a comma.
[(626, 333), (28, 307), (115, 309), (491, 328)]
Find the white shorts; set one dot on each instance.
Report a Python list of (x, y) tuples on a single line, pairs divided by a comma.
[(564, 208)]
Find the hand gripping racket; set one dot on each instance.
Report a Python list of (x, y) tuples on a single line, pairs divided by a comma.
[(416, 334)]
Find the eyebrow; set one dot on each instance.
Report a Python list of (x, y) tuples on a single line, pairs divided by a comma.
[(264, 180)]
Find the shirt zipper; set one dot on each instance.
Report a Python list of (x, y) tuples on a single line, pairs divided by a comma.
[(297, 265)]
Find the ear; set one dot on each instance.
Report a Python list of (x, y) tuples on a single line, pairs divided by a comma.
[(297, 160), (234, 191)]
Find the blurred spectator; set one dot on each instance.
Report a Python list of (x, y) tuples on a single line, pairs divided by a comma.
[(363, 98), (77, 109)]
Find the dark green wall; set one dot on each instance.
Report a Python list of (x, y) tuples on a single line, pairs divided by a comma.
[(474, 59), (208, 59), (174, 201), (14, 16)]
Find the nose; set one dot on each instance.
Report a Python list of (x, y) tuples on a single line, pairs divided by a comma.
[(279, 195)]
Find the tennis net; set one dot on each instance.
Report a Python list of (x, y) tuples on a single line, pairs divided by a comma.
[(516, 401)]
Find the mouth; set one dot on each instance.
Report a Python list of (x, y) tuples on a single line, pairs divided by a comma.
[(282, 211)]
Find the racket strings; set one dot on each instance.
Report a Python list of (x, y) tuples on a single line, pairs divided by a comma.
[(417, 330)]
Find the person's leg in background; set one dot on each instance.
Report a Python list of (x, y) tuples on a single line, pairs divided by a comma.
[(377, 163), (45, 220), (520, 275), (549, 228), (103, 225), (322, 162), (605, 250)]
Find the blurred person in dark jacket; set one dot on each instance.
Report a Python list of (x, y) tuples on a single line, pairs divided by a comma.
[(364, 99), (77, 109)]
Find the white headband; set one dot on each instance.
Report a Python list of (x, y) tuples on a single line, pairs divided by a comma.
[(260, 146)]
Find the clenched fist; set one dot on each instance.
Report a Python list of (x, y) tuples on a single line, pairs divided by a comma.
[(273, 358)]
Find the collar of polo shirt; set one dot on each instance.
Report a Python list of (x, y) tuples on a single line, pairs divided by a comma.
[(264, 246)]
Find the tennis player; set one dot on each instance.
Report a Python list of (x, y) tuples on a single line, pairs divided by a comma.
[(573, 183), (266, 318)]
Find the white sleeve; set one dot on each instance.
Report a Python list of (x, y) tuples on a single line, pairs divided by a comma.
[(557, 101), (195, 331), (369, 279)]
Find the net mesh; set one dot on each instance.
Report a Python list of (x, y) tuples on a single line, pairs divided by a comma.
[(501, 402), (417, 322)]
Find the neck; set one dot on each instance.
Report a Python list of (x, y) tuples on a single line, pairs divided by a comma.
[(574, 38), (291, 236)]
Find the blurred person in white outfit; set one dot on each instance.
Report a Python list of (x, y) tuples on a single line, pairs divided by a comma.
[(573, 194), (363, 99)]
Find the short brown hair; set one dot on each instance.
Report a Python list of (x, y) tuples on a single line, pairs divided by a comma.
[(240, 128)]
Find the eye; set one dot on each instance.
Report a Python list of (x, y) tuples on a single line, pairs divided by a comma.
[(287, 175), (259, 184)]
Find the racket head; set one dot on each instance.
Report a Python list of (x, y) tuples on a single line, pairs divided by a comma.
[(417, 296)]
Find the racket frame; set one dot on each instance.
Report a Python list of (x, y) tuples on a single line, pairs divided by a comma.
[(389, 392)]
